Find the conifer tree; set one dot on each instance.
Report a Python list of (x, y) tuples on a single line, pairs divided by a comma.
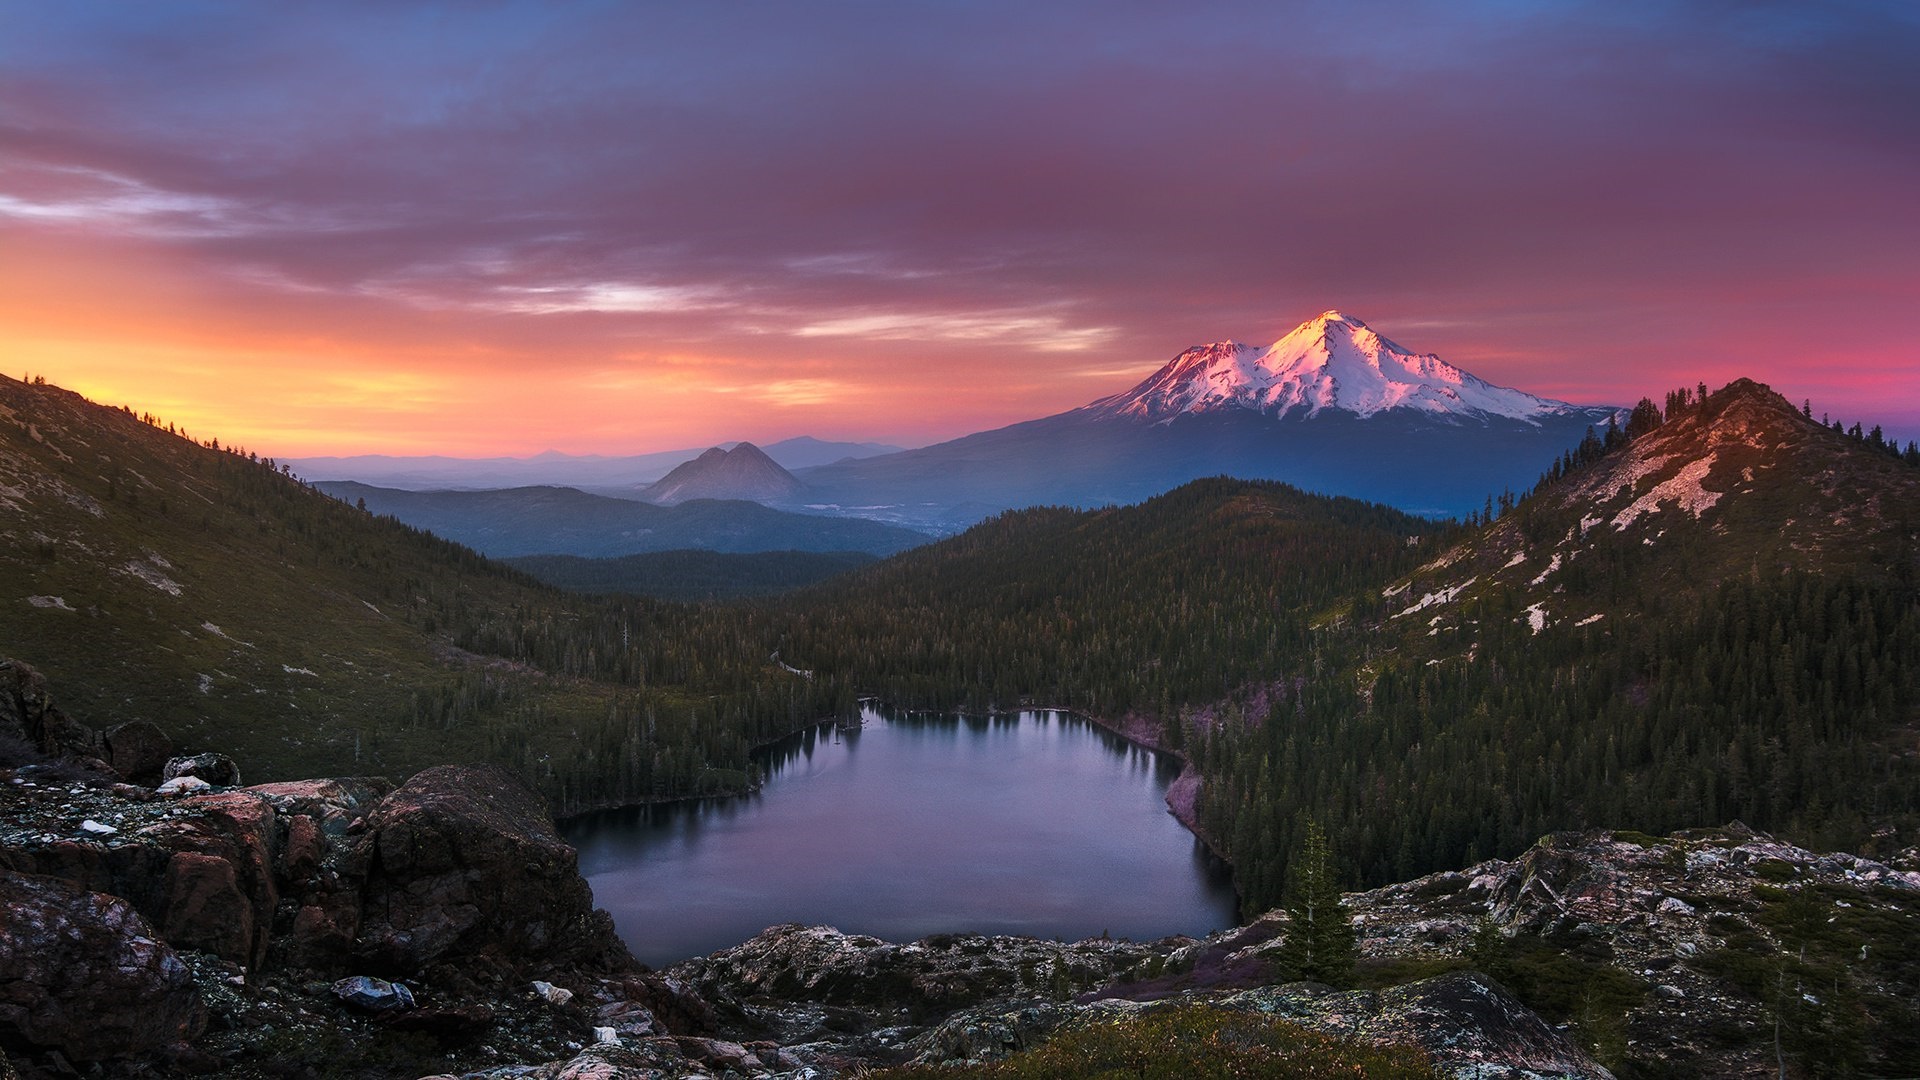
[(1320, 940)]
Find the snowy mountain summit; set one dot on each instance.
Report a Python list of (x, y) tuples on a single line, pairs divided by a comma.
[(1332, 361)]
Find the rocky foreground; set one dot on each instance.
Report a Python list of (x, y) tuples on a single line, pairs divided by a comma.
[(157, 917)]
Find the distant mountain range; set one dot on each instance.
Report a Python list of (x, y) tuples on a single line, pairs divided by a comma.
[(563, 521), (1332, 407), (618, 475)]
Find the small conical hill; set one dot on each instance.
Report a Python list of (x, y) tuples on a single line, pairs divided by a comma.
[(745, 472)]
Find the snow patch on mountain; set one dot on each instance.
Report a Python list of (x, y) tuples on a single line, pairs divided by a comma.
[(152, 577), (1444, 596), (1333, 361), (1683, 487), (1548, 572), (1537, 616)]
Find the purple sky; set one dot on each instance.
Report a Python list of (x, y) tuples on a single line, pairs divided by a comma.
[(498, 228)]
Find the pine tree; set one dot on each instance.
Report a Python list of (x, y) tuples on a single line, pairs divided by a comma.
[(1320, 941)]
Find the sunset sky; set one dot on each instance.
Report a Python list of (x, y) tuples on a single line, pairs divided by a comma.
[(501, 228)]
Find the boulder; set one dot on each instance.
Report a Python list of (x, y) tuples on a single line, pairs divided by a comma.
[(463, 860), (27, 713), (218, 891), (87, 976), (216, 769), (138, 750), (206, 908), (373, 995)]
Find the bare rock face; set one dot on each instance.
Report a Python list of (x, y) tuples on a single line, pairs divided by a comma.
[(464, 860), (218, 891), (84, 974)]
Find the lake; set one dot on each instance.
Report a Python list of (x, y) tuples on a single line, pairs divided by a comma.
[(1036, 823)]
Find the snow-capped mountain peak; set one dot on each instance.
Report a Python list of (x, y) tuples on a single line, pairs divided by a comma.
[(1332, 361)]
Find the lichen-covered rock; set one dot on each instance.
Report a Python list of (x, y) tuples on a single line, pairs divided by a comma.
[(930, 978), (1468, 1023), (1688, 920), (84, 974), (216, 769), (991, 1033), (464, 860)]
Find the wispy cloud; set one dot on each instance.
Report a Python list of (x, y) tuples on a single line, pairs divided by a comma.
[(606, 296), (1037, 196), (1047, 333)]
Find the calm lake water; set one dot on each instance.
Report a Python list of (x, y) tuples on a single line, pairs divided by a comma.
[(1038, 823)]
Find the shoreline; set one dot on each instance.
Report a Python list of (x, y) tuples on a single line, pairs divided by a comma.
[(1183, 794), (1182, 797)]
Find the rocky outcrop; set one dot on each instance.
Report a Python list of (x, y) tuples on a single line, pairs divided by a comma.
[(218, 893), (464, 860), (82, 973), (1697, 937), (1469, 1025)]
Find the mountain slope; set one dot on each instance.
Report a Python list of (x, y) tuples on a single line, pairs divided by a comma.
[(1332, 408), (213, 594), (1740, 485), (744, 472), (1175, 601), (562, 521), (802, 451), (1715, 619)]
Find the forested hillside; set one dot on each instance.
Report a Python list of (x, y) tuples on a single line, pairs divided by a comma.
[(1709, 615), (1178, 601), (691, 574), (154, 577)]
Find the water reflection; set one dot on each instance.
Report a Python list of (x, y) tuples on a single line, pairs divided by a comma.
[(907, 825)]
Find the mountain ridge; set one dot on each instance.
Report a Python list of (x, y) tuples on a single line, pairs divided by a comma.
[(510, 522), (598, 473)]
